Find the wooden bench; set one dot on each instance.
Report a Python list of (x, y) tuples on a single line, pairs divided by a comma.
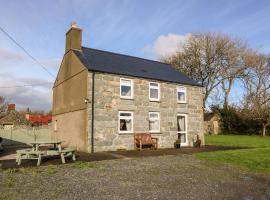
[(67, 152), (141, 139), (28, 154)]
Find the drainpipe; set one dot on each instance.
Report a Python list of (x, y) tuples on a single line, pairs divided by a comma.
[(93, 112)]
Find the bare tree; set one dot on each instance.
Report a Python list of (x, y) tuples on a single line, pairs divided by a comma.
[(257, 85), (233, 65), (3, 105), (206, 57)]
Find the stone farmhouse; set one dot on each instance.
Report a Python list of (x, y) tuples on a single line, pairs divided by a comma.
[(101, 99)]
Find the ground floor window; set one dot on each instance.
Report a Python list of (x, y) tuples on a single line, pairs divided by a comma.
[(182, 128), (125, 122), (154, 122)]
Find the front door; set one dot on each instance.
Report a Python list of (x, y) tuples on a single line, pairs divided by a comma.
[(182, 128)]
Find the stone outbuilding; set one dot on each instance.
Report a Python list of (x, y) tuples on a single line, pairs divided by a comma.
[(101, 99), (211, 123)]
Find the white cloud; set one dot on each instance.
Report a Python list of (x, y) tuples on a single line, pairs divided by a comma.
[(36, 98), (166, 45), (9, 55)]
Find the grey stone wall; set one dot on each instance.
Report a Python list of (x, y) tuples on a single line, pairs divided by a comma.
[(108, 103)]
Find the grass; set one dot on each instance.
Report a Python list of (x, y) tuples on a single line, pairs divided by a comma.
[(82, 165), (255, 155), (238, 141)]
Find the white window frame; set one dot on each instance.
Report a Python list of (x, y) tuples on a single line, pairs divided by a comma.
[(125, 117), (183, 132), (181, 89), (154, 87), (131, 92), (155, 131)]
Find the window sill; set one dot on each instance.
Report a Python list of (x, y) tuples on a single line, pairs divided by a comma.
[(155, 132), (127, 98), (125, 133), (182, 102), (152, 100)]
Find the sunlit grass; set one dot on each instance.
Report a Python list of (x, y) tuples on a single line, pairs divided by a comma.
[(255, 156)]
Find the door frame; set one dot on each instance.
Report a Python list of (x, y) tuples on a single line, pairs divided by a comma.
[(186, 126)]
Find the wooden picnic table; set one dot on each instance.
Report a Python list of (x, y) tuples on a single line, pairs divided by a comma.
[(37, 153), (55, 143)]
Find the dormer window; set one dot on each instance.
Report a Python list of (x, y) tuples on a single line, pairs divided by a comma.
[(181, 95), (154, 91), (126, 88)]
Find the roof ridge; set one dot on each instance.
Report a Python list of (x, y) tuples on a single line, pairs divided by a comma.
[(169, 65)]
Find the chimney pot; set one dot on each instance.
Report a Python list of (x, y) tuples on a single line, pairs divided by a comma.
[(74, 25)]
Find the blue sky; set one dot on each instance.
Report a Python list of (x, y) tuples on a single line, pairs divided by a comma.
[(141, 28)]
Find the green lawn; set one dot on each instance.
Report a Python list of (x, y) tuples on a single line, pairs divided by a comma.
[(238, 141), (255, 156)]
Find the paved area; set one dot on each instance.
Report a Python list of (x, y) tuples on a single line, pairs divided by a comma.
[(180, 176)]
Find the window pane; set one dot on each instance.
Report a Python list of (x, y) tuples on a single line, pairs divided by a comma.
[(154, 84), (153, 115), (154, 125), (181, 123), (125, 114), (125, 124), (181, 96), (153, 93), (126, 82), (125, 90)]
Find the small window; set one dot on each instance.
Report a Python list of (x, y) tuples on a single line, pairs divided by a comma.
[(181, 95), (125, 122), (154, 92), (126, 88), (154, 122)]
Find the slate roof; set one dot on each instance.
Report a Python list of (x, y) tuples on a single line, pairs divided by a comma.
[(114, 63)]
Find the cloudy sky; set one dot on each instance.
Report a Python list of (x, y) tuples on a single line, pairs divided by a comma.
[(147, 29)]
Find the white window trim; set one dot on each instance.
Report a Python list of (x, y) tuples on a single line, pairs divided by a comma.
[(132, 86), (155, 131), (185, 132), (181, 89), (158, 87), (121, 117)]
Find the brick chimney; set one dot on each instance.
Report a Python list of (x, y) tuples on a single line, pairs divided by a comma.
[(74, 38), (11, 107)]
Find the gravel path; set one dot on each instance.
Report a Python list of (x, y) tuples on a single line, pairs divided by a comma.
[(162, 177)]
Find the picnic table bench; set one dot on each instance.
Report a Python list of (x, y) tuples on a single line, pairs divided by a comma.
[(38, 154)]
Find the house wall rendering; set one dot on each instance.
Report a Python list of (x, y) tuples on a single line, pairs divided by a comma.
[(69, 107)]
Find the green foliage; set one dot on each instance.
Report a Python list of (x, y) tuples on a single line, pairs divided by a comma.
[(238, 141), (10, 177), (237, 121), (255, 158), (50, 170), (82, 165)]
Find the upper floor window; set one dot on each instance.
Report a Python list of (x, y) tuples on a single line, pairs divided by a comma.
[(126, 88), (154, 91), (181, 95), (125, 123)]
